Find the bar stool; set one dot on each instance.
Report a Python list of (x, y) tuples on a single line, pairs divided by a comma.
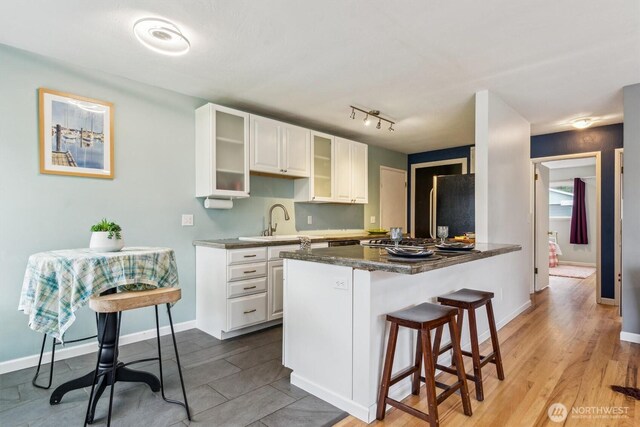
[(423, 318), (54, 344), (115, 304), (470, 300)]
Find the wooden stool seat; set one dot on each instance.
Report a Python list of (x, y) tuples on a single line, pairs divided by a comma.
[(465, 298), (423, 318), (129, 300), (470, 300)]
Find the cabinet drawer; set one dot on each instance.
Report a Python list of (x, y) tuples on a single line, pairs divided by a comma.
[(274, 251), (246, 311), (246, 287), (239, 256), (246, 271)]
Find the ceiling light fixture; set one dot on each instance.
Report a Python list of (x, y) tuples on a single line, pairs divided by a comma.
[(582, 123), (161, 36), (372, 113)]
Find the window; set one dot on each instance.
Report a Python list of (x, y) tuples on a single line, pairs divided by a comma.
[(560, 199)]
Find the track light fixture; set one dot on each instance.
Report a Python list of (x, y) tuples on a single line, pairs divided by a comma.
[(369, 114)]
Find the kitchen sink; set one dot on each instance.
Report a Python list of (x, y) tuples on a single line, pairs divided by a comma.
[(278, 237)]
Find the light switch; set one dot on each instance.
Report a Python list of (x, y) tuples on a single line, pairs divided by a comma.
[(187, 220), (372, 220), (309, 220)]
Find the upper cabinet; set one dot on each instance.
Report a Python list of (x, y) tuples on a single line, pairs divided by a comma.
[(222, 152), (320, 185), (351, 172), (279, 148)]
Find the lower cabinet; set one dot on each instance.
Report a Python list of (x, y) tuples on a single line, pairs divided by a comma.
[(276, 289), (239, 290)]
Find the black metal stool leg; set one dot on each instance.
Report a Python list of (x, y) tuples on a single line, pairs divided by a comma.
[(88, 419), (53, 353), (175, 347), (113, 368)]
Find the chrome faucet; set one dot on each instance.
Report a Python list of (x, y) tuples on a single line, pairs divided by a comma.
[(272, 228)]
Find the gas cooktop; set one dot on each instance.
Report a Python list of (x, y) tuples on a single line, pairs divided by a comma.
[(406, 242)]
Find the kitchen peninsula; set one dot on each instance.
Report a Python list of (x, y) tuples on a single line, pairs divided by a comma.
[(336, 299)]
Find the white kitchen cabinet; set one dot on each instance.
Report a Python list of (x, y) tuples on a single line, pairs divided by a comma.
[(319, 187), (351, 171), (239, 290), (276, 288), (222, 152), (279, 148)]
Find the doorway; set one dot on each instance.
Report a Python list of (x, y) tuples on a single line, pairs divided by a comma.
[(619, 197), (559, 251), (422, 191), (393, 198)]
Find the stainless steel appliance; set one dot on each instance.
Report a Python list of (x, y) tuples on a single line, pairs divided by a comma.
[(406, 242), (453, 204), (343, 243)]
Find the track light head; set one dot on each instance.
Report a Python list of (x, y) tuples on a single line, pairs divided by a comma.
[(379, 124), (367, 121), (353, 113), (391, 129)]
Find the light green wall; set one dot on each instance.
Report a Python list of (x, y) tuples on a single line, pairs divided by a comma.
[(153, 186)]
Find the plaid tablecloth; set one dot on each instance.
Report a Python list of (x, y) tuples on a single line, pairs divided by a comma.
[(57, 283)]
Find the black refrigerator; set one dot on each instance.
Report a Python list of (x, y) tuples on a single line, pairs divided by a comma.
[(453, 204)]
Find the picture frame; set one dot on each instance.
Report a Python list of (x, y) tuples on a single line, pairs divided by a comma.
[(76, 135)]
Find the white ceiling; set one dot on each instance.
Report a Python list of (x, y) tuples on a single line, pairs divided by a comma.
[(570, 163), (419, 62)]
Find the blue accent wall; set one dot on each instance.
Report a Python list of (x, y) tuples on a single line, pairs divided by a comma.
[(434, 156), (605, 139)]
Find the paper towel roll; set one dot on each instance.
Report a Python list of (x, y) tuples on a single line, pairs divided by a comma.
[(218, 204)]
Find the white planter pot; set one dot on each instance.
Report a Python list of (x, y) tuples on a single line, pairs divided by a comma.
[(100, 242)]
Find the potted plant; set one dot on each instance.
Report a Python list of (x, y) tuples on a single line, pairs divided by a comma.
[(106, 237)]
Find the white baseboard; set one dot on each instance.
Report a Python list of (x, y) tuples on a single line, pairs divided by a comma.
[(578, 264), (78, 350), (629, 337)]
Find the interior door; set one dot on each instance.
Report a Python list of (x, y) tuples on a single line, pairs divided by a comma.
[(393, 198), (297, 145), (265, 145), (541, 227), (343, 170), (422, 189)]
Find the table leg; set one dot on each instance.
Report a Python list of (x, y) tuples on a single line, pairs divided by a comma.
[(109, 352)]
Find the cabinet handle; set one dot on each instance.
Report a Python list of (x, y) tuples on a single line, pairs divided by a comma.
[(249, 271), (250, 256), (249, 311), (249, 287)]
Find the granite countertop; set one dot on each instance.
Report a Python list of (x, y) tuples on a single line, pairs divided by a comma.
[(241, 244), (376, 259)]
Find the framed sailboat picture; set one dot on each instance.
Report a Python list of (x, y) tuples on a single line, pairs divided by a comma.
[(76, 135)]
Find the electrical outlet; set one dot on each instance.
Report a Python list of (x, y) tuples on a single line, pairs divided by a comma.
[(309, 220), (372, 220), (187, 220), (340, 284)]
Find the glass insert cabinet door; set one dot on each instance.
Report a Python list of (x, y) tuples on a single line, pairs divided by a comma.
[(322, 166), (230, 151)]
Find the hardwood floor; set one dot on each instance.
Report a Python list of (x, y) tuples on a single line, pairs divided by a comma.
[(565, 349)]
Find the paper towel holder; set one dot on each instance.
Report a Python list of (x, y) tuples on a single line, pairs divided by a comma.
[(218, 203)]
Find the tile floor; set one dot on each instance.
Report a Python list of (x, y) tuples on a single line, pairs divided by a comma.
[(236, 382)]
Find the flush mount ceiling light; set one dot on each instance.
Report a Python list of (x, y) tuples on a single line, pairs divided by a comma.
[(371, 113), (582, 123), (161, 36)]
